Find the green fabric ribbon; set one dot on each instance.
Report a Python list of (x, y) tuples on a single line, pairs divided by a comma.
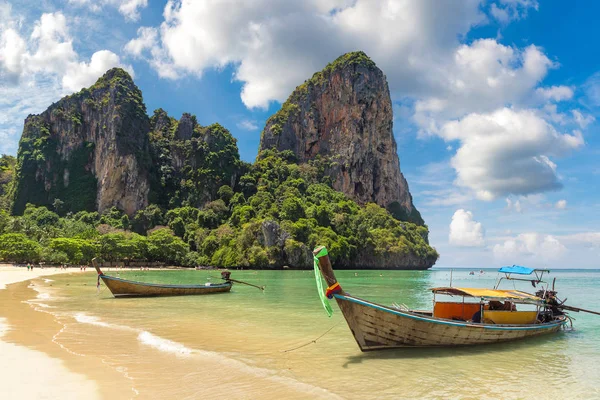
[(324, 300)]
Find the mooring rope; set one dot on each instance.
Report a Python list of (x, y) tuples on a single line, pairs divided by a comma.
[(310, 342)]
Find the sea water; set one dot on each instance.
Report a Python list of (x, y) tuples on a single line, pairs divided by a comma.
[(280, 343)]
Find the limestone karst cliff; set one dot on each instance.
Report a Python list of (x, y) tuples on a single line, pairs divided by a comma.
[(89, 150), (344, 115), (98, 149), (326, 173)]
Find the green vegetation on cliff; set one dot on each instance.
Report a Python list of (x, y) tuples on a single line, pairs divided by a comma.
[(278, 212), (189, 172), (7, 171)]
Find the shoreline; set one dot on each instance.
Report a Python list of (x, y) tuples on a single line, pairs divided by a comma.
[(41, 351), (31, 374)]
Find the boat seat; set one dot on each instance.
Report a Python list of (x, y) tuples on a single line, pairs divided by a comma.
[(511, 317), (455, 310)]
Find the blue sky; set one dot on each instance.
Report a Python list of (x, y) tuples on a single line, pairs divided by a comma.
[(495, 102)]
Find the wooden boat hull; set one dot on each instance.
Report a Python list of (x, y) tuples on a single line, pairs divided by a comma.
[(125, 288), (376, 327)]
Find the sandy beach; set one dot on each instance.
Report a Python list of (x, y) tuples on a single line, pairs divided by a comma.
[(31, 374)]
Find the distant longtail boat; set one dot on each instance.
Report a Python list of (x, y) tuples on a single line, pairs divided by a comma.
[(126, 288), (455, 323)]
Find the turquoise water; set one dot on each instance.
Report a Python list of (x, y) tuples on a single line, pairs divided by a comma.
[(259, 344)]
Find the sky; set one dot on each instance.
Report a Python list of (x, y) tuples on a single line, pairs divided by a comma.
[(495, 102)]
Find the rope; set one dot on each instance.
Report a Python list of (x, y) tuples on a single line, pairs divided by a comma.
[(310, 342)]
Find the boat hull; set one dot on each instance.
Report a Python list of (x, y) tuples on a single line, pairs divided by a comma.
[(125, 288), (376, 327)]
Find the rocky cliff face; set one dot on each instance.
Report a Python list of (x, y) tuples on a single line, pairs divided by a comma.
[(89, 150), (343, 114)]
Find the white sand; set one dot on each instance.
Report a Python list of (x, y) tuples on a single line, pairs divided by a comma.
[(29, 374)]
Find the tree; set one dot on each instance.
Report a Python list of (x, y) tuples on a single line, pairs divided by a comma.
[(291, 209), (16, 247), (58, 206), (225, 193), (178, 227), (76, 250), (112, 246), (163, 245)]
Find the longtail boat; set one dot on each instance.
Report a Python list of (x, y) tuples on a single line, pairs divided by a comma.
[(126, 288), (483, 319)]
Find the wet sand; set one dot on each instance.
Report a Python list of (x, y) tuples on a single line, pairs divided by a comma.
[(55, 355), (35, 371)]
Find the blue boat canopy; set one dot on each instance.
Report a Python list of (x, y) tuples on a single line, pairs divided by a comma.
[(517, 269)]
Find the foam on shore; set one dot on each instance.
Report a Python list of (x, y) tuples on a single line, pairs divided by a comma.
[(177, 349)]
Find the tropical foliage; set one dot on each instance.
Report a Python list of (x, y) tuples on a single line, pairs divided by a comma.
[(277, 212)]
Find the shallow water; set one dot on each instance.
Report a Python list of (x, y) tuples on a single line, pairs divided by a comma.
[(249, 344)]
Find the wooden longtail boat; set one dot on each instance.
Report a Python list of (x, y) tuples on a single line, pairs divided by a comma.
[(377, 327), (126, 288)]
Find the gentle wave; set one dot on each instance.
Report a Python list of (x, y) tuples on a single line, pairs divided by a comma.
[(178, 349), (43, 305), (89, 319), (92, 320), (162, 344)]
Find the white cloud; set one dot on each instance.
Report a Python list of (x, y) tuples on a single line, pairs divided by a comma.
[(555, 93), (248, 125), (501, 14), (514, 205), (530, 246), (591, 88), (590, 239), (130, 9), (299, 38), (37, 70), (12, 53), (464, 231), (147, 38), (561, 204), (49, 53), (509, 10), (49, 49), (482, 77), (83, 74), (507, 152), (582, 120), (54, 47)]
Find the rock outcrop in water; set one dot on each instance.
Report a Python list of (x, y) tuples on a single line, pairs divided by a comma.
[(344, 115)]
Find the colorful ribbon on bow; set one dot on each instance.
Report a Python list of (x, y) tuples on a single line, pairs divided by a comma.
[(324, 300)]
